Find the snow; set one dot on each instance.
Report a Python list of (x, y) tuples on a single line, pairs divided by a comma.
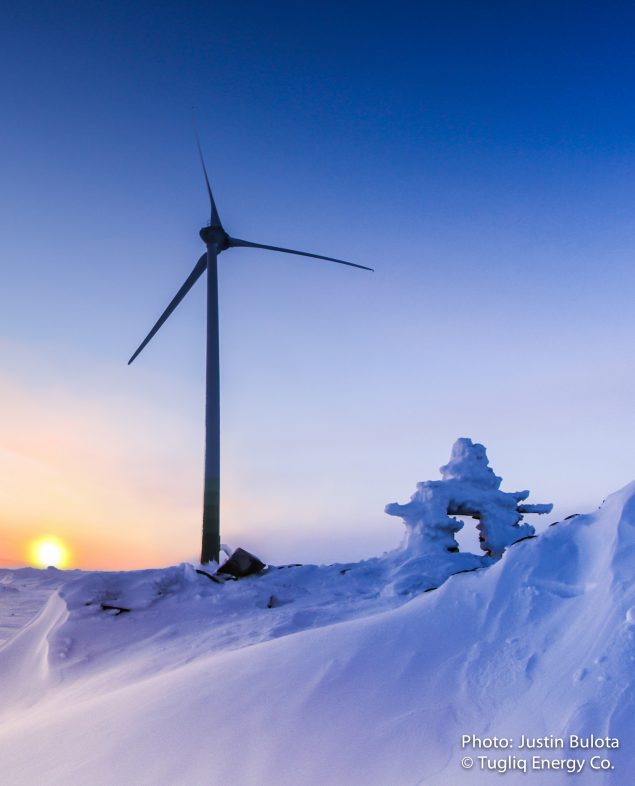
[(23, 592), (336, 675), (469, 488)]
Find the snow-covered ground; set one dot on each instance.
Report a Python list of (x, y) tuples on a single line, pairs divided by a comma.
[(23, 593), (334, 675)]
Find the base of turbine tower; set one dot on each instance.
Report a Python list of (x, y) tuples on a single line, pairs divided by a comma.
[(210, 550)]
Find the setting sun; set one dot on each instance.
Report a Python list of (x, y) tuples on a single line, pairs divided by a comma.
[(49, 551)]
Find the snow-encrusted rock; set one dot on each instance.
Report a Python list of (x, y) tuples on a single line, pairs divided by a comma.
[(469, 488), (241, 563)]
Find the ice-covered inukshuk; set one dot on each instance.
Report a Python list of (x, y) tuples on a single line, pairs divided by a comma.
[(469, 488)]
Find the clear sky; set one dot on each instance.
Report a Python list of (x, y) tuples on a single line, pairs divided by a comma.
[(480, 156)]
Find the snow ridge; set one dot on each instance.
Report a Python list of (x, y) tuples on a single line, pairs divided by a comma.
[(345, 682)]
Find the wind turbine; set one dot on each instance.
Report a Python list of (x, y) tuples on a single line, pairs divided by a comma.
[(216, 240)]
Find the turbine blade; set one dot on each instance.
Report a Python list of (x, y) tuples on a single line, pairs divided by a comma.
[(189, 283), (214, 217), (236, 243)]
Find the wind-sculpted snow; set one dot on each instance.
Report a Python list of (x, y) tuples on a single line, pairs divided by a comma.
[(170, 615), (23, 592), (343, 681)]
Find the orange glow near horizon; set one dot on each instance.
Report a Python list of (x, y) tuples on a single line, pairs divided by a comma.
[(118, 480), (49, 551), (98, 474)]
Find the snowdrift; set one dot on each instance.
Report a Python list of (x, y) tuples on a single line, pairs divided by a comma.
[(338, 676)]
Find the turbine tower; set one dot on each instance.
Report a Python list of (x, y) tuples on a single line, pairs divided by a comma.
[(216, 240)]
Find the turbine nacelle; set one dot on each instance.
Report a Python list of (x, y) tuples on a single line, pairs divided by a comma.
[(215, 236)]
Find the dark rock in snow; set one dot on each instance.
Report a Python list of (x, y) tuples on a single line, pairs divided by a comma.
[(118, 609), (241, 563), (209, 576)]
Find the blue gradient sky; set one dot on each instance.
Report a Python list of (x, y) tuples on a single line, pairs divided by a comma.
[(480, 156)]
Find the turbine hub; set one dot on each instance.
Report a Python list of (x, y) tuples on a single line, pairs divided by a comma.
[(215, 236)]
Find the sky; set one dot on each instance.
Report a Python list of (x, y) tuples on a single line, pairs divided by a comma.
[(479, 156)]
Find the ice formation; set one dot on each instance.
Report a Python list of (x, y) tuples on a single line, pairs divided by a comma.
[(469, 488)]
